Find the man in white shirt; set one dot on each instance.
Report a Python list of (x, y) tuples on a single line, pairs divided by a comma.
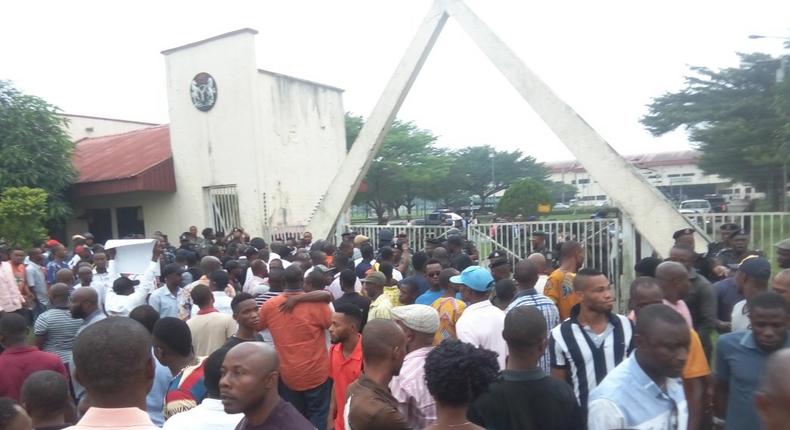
[(482, 323), (751, 278), (256, 277), (209, 414), (127, 294), (218, 284), (103, 276)]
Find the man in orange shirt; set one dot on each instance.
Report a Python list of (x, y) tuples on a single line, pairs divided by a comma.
[(345, 358), (559, 287), (646, 291), (300, 337)]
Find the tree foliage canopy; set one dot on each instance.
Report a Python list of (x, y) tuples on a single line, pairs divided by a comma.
[(738, 118), (22, 215), (409, 166), (36, 151), (523, 198)]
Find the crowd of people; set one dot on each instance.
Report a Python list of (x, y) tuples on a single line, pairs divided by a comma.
[(231, 332)]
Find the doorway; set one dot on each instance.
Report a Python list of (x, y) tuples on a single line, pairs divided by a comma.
[(130, 221)]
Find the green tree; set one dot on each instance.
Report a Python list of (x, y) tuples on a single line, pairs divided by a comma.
[(403, 161), (737, 117), (35, 151), (523, 198), (487, 171), (562, 192), (22, 215), (354, 124)]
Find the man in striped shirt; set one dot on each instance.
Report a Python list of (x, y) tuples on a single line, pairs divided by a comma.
[(526, 276), (589, 344)]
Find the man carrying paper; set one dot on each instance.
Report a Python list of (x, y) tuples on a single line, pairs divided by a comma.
[(127, 294)]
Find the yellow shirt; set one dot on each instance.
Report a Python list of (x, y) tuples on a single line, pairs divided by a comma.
[(393, 293), (559, 288), (380, 308), (449, 309), (696, 363)]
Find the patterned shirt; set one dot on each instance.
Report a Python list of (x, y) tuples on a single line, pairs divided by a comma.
[(52, 270), (550, 314), (559, 288), (186, 390), (450, 310), (411, 391)]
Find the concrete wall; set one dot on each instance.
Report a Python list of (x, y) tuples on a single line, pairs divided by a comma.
[(157, 214), (80, 126), (278, 139)]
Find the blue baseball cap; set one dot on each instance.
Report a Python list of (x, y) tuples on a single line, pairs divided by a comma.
[(476, 278)]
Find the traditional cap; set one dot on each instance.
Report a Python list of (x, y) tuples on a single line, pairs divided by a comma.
[(682, 232), (784, 245), (376, 278), (77, 237), (360, 239), (755, 267), (171, 269), (420, 318), (476, 278)]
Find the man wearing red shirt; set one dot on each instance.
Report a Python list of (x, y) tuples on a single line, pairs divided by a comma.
[(345, 358), (300, 336), (19, 360)]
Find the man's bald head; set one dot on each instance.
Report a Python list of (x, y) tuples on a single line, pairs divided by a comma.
[(210, 264), (59, 293), (84, 301), (258, 267), (249, 378), (64, 276), (526, 274), (773, 398), (261, 356), (670, 270), (781, 284), (379, 338), (645, 291), (539, 260), (673, 278), (84, 295)]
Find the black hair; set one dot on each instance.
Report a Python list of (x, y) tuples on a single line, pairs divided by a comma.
[(643, 282), (649, 316), (569, 249), (258, 243), (221, 278), (293, 277), (145, 315), (174, 334), (315, 279), (587, 272), (208, 231), (317, 254), (386, 253), (250, 252), (341, 260), (212, 371), (525, 327), (457, 373), (411, 283), (461, 262), (526, 272), (419, 260), (8, 411), (351, 311), (348, 279), (367, 251), (386, 269), (13, 326), (45, 393), (432, 261), (647, 266), (769, 300), (111, 355), (234, 304), (505, 289), (201, 295)]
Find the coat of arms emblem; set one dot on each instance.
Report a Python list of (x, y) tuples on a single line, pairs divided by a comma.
[(203, 91)]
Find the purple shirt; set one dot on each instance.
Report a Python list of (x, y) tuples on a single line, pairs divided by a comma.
[(283, 416)]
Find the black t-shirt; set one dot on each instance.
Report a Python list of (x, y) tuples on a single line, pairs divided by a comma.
[(284, 416), (358, 300), (527, 400), (233, 341)]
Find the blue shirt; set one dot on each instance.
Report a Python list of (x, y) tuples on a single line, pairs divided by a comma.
[(422, 282), (165, 302), (428, 297), (550, 313), (52, 270), (155, 400), (727, 296), (628, 398), (739, 362)]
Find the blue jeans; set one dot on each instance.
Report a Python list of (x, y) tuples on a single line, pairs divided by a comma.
[(312, 403)]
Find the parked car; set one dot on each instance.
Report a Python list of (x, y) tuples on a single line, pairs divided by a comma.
[(561, 206), (698, 206), (717, 203)]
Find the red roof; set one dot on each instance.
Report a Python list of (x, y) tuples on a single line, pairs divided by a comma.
[(139, 160)]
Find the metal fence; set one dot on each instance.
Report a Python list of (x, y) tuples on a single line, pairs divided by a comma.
[(416, 235)]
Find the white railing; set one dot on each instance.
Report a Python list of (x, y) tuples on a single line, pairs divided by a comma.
[(416, 235), (765, 229)]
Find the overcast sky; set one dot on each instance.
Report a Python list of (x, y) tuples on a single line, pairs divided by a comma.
[(606, 59)]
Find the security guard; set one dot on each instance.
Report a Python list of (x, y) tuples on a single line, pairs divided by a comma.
[(738, 250), (701, 264), (783, 254), (540, 246)]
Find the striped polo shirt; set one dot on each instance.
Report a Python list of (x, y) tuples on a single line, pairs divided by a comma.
[(59, 329), (550, 313), (588, 356)]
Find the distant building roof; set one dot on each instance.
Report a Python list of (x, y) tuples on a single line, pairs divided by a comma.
[(139, 160), (673, 158)]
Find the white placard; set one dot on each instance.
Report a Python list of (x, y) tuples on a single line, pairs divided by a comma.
[(132, 256)]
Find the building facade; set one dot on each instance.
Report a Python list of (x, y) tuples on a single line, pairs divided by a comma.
[(244, 148)]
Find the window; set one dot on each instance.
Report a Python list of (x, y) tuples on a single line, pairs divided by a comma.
[(728, 191), (748, 190), (600, 197), (583, 181), (688, 174), (673, 175), (223, 207), (737, 191)]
